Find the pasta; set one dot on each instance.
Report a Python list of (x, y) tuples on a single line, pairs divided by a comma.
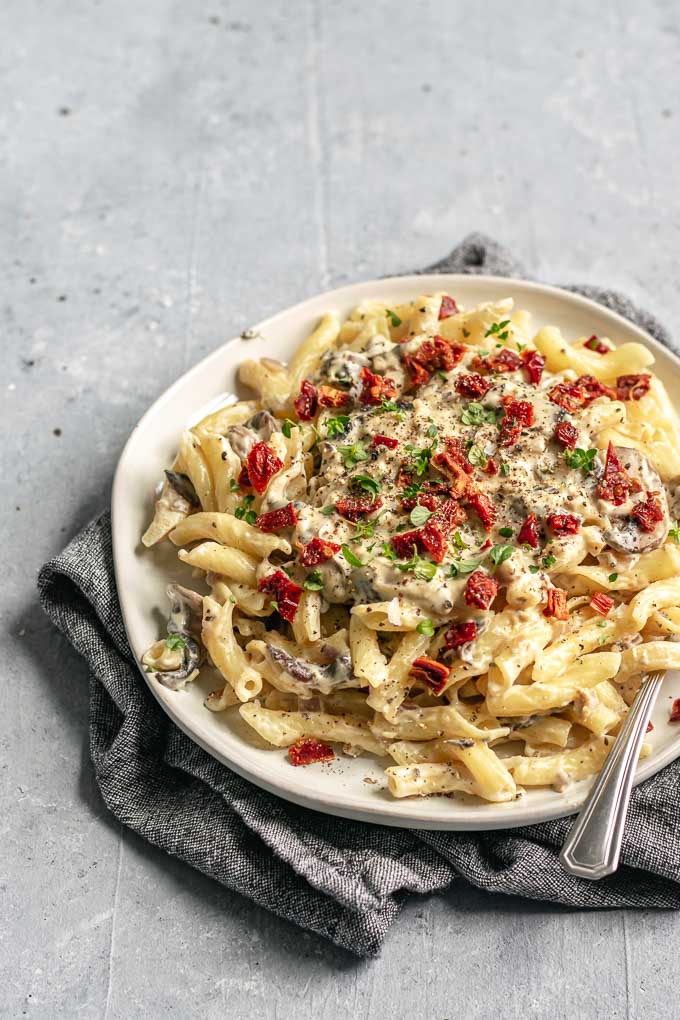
[(436, 537)]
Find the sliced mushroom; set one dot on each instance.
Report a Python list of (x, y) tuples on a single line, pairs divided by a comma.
[(322, 678), (183, 485), (623, 533), (241, 440), (265, 424), (185, 620)]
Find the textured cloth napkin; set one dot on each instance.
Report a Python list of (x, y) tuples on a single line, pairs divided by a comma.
[(344, 880)]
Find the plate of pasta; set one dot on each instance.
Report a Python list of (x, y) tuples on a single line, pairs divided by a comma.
[(403, 552)]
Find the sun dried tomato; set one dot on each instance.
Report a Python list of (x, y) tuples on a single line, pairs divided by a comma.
[(563, 524), (430, 672), (566, 434), (243, 478), (483, 507), (419, 374), (601, 603), (632, 387), (388, 441), (460, 634), (329, 396), (306, 752), (285, 593), (675, 711), (432, 355), (354, 507), (426, 499), (405, 544), (473, 385), (556, 607), (650, 727), (275, 520), (594, 344), (306, 402), (529, 532), (573, 396), (534, 363), (376, 388), (616, 484), (480, 590), (318, 551), (263, 464), (435, 532), (452, 461), (448, 307), (519, 414), (491, 467), (504, 361), (648, 513)]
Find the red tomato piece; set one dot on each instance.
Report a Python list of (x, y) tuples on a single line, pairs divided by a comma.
[(387, 441), (275, 520), (534, 363), (354, 507), (376, 388), (616, 484), (472, 385), (318, 551), (460, 634), (594, 344), (430, 672), (601, 603), (306, 752), (483, 507), (263, 464), (285, 593), (648, 513), (530, 532), (480, 590), (675, 711), (563, 524), (632, 387), (556, 604), (448, 307), (566, 434), (329, 396), (306, 402), (243, 479)]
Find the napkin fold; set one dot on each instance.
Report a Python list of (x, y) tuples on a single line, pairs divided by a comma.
[(343, 880)]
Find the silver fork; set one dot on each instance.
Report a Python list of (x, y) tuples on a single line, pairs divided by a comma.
[(593, 846)]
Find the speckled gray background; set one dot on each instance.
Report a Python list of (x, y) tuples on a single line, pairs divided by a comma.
[(169, 173)]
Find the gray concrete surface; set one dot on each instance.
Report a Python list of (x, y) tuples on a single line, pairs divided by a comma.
[(170, 172)]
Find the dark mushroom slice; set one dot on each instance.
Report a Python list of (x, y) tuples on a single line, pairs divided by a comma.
[(624, 534), (176, 679), (265, 424), (185, 621), (183, 485), (321, 678)]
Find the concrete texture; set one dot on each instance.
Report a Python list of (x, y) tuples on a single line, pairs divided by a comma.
[(169, 173)]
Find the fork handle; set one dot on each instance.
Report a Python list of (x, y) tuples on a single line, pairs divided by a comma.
[(593, 846)]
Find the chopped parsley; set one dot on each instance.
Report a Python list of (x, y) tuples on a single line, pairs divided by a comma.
[(389, 407), (174, 642), (674, 533), (443, 375), (426, 627), (476, 456), (351, 455), (244, 513), (505, 532), (458, 541), (366, 483), (499, 329), (393, 317), (463, 567), (353, 560), (612, 578), (583, 459), (533, 569), (288, 426), (366, 529), (548, 561), (475, 414), (234, 486), (419, 515), (337, 426), (313, 581), (420, 459), (500, 553), (505, 470)]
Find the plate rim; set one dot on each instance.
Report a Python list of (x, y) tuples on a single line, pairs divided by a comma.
[(342, 806)]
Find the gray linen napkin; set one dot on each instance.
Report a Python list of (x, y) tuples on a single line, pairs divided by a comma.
[(343, 880)]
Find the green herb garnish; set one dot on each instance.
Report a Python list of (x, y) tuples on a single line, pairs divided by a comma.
[(174, 642), (463, 567), (505, 532), (419, 515), (393, 317), (366, 483), (387, 551), (500, 553), (499, 329), (465, 332), (533, 569), (234, 486), (612, 578), (674, 533), (351, 455), (426, 627), (505, 470), (337, 426), (353, 560), (389, 407), (243, 513), (423, 570), (477, 456), (458, 541), (583, 459), (328, 510), (313, 581), (475, 414), (288, 426), (548, 561), (432, 432), (420, 459)]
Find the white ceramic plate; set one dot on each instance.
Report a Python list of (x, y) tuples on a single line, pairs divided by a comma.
[(350, 788)]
